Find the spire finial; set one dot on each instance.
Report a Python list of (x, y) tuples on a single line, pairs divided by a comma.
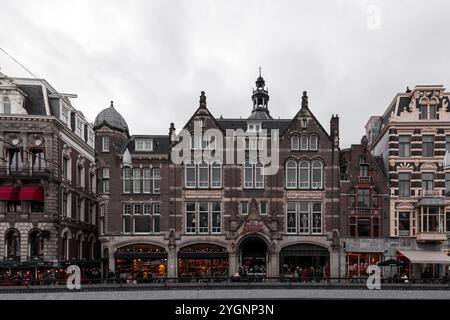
[(112, 103), (260, 70), (305, 100)]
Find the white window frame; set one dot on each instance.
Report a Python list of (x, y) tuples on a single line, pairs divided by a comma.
[(242, 205), (136, 178), (146, 180), (156, 173), (315, 146), (316, 184), (216, 167), (105, 144), (290, 184), (190, 184), (302, 167), (295, 142)]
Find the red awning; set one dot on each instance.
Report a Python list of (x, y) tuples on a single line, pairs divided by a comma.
[(8, 193), (31, 194)]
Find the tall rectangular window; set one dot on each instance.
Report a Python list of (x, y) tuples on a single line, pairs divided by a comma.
[(190, 175), (404, 224), (156, 180), (404, 184), (216, 175), (317, 218), (364, 198), (203, 175), (156, 217), (404, 146), (216, 219), (304, 217), (291, 217), (136, 180), (427, 181), (259, 176), (203, 217), (190, 217), (105, 180), (126, 180), (105, 144), (146, 180), (423, 115), (427, 146), (66, 168), (248, 175), (263, 208), (244, 207), (447, 184), (447, 143)]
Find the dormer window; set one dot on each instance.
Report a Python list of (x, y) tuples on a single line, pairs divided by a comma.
[(6, 105), (64, 115), (144, 145), (428, 112), (79, 127)]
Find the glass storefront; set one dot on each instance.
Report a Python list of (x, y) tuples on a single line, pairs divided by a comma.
[(307, 262), (358, 262), (203, 261), (141, 262), (253, 253)]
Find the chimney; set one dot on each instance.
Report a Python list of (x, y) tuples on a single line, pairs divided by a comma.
[(334, 129), (171, 131)]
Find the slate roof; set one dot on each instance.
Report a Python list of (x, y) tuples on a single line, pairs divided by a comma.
[(111, 117), (34, 102), (160, 143)]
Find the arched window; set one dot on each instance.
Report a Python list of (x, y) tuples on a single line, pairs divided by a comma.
[(259, 175), (304, 174), (216, 175), (295, 142), (203, 175), (189, 176), (304, 142), (313, 142), (291, 174), (6, 105), (36, 243), (317, 174), (12, 244)]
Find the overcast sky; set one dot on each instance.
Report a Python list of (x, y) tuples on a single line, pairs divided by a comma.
[(154, 57)]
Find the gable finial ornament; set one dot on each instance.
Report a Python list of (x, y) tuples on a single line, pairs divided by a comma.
[(305, 100), (202, 99)]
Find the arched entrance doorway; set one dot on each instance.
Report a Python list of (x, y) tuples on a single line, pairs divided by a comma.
[(314, 258), (203, 260), (253, 256), (142, 262)]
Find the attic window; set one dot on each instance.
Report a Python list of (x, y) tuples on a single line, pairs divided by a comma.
[(304, 122), (144, 145)]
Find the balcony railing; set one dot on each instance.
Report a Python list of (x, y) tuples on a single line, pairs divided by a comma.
[(430, 193), (25, 171), (360, 210), (365, 179), (431, 236)]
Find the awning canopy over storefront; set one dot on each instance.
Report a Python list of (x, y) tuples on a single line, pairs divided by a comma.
[(8, 193), (431, 202), (31, 194), (437, 257)]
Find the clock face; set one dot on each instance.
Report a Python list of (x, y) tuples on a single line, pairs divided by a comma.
[(15, 141)]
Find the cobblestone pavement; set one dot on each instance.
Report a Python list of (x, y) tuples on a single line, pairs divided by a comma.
[(206, 294)]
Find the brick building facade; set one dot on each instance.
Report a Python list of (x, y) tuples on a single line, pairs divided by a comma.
[(47, 178)]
